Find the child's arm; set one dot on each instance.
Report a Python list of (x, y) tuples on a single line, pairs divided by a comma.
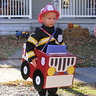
[(34, 62), (31, 44)]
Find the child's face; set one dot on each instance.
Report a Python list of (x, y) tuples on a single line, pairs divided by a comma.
[(49, 19)]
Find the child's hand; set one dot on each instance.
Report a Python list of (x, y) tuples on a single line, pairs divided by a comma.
[(34, 62)]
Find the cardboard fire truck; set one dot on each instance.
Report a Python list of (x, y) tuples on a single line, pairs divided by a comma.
[(55, 68)]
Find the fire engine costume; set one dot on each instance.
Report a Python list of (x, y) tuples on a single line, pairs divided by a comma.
[(39, 38)]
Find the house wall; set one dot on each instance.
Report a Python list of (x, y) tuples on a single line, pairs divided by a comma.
[(37, 6), (9, 29)]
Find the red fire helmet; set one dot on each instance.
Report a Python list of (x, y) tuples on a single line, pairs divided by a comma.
[(48, 8)]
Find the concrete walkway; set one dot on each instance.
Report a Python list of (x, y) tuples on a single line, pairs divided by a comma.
[(87, 75)]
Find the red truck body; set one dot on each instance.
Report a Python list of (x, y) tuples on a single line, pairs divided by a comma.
[(53, 70)]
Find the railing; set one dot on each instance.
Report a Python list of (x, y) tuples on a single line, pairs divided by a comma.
[(76, 8), (15, 8)]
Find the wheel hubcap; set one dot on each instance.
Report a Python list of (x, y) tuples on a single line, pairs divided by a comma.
[(25, 70), (38, 80)]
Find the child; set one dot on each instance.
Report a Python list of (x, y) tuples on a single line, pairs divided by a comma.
[(39, 38)]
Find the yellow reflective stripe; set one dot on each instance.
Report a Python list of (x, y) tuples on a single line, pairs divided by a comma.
[(31, 54), (57, 42), (44, 40), (62, 43), (32, 40)]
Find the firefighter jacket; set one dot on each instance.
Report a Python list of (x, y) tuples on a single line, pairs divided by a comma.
[(39, 38)]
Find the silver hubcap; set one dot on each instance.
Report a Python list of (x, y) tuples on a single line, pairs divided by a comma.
[(25, 70), (38, 80)]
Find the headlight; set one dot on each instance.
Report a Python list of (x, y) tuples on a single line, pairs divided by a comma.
[(51, 71), (70, 70)]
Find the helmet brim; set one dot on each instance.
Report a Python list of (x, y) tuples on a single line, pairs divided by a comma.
[(41, 15)]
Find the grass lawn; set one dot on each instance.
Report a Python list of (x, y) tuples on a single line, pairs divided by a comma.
[(84, 49), (79, 89), (8, 45)]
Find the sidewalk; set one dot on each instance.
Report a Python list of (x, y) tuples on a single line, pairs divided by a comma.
[(87, 75), (10, 69)]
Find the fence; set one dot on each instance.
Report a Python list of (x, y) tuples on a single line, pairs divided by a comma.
[(76, 8), (67, 8), (15, 8)]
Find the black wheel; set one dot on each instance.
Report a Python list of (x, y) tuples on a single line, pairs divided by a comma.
[(38, 80), (25, 70)]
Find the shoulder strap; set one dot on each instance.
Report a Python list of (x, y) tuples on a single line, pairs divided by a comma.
[(49, 35), (45, 31)]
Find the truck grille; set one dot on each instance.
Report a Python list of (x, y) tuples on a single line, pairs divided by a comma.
[(62, 63)]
